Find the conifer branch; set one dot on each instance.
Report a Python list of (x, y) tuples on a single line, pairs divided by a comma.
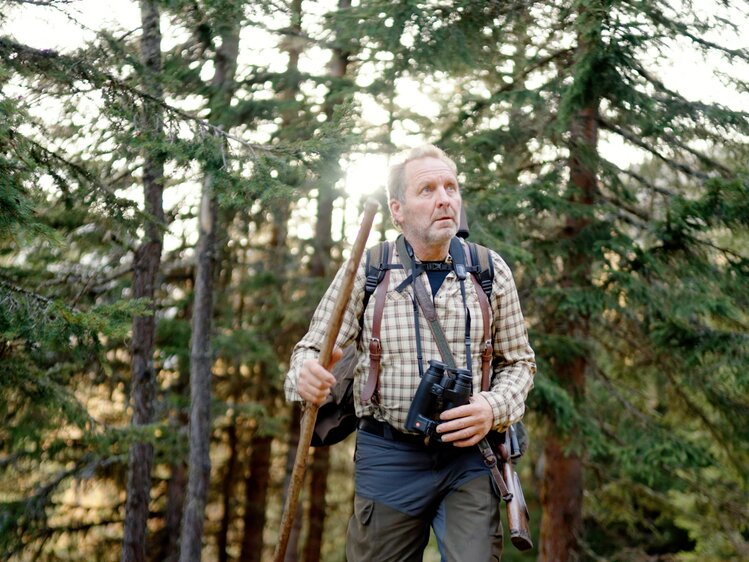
[(45, 3), (634, 139), (51, 154), (42, 61), (642, 180), (627, 213), (696, 153), (45, 155), (634, 410), (684, 29), (27, 293), (479, 105), (727, 252), (695, 105), (696, 410), (36, 503)]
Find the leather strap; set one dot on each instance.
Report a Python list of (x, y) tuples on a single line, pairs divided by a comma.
[(427, 307), (490, 458), (372, 386), (490, 461), (488, 351)]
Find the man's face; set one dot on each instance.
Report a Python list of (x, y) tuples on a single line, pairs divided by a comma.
[(430, 211)]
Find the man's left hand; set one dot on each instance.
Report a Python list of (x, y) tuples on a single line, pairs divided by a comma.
[(466, 425)]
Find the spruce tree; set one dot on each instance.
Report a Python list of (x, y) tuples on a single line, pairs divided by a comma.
[(633, 285)]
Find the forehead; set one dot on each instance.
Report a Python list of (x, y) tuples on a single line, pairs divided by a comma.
[(427, 169)]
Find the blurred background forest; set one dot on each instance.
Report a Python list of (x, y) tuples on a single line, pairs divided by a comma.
[(180, 179)]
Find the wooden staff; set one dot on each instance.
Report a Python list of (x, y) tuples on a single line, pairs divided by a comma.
[(326, 351)]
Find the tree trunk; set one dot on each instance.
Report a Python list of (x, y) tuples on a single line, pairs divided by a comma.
[(201, 356), (317, 508), (146, 266), (201, 361), (228, 491), (256, 494), (562, 489), (175, 504)]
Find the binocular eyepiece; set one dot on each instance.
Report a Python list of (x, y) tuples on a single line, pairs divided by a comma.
[(441, 388)]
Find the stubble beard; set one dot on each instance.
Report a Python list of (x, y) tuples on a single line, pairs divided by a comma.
[(431, 236)]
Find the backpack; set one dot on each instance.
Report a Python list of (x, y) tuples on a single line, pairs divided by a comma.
[(336, 418)]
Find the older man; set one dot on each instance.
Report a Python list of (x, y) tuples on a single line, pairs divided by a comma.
[(404, 484)]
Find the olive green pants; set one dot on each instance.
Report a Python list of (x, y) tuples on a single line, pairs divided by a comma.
[(467, 524)]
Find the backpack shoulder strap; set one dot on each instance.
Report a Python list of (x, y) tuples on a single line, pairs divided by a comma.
[(376, 257), (485, 266), (378, 268), (482, 274), (376, 264)]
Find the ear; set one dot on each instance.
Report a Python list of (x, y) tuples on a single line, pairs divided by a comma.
[(395, 210)]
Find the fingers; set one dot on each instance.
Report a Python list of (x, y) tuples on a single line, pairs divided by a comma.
[(466, 425), (315, 381), (335, 356)]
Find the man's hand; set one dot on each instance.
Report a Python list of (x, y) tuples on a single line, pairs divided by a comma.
[(466, 425), (314, 381)]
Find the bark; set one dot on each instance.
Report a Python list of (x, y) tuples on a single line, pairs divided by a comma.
[(201, 361), (201, 355), (228, 491), (146, 266), (256, 494), (562, 489), (317, 507), (175, 503)]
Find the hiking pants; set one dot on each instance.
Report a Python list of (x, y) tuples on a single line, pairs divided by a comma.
[(404, 487)]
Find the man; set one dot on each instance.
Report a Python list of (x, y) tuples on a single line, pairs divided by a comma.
[(403, 483)]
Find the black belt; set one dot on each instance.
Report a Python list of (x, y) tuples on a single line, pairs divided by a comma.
[(387, 431)]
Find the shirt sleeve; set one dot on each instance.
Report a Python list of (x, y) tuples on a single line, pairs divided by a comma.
[(309, 346), (514, 365)]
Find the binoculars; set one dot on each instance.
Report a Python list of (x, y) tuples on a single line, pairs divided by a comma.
[(441, 388)]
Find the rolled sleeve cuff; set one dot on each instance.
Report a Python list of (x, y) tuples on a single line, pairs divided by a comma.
[(292, 376), (505, 411)]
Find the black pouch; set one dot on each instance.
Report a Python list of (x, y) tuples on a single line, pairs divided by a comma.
[(336, 417)]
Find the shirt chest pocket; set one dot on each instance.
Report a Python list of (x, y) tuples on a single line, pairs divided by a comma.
[(397, 333)]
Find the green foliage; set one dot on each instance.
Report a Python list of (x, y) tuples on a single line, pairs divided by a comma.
[(641, 276)]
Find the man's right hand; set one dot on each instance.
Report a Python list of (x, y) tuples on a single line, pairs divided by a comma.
[(315, 381)]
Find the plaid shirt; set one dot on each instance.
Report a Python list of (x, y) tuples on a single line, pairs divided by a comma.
[(513, 364)]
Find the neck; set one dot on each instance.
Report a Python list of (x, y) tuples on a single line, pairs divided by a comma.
[(431, 252)]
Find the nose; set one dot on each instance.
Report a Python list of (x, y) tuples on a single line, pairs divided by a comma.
[(443, 199)]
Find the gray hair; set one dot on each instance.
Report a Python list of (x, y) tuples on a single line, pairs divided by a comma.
[(397, 175)]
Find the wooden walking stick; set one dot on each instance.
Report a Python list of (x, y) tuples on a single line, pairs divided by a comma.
[(310, 412)]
